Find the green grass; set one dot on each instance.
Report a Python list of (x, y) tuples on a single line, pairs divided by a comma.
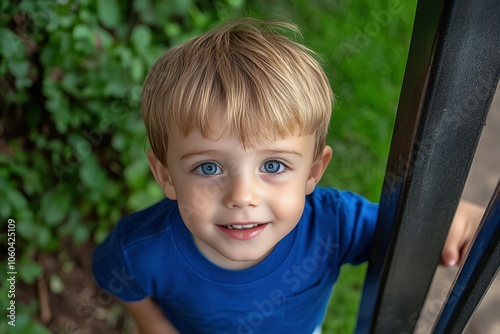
[(343, 307), (364, 46)]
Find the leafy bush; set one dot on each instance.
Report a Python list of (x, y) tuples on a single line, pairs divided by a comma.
[(71, 134)]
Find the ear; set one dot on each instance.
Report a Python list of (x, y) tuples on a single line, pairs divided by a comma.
[(162, 175), (317, 169)]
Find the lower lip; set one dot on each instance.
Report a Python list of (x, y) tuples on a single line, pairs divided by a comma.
[(244, 233)]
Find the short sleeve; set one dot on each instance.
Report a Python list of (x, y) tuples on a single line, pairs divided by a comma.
[(357, 227), (112, 273)]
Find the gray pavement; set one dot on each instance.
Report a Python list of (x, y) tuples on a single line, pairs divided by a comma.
[(482, 179)]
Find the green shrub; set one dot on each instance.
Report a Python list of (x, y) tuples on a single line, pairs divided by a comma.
[(71, 134)]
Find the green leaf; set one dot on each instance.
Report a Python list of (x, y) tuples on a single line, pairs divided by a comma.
[(16, 199), (108, 12), (29, 271), (53, 207), (101, 233), (80, 234), (82, 31), (146, 196), (10, 44), (124, 54), (137, 173), (180, 7), (44, 236), (19, 68), (70, 83), (25, 228), (141, 38), (58, 105), (116, 88), (172, 29), (103, 38), (137, 70), (92, 175)]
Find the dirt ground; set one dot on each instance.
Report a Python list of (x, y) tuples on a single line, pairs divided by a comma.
[(81, 307)]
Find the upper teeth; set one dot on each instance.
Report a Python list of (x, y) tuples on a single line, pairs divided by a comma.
[(239, 227)]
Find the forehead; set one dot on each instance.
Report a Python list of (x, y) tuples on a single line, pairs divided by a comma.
[(220, 123), (229, 143)]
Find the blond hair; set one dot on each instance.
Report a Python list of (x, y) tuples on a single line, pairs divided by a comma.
[(264, 84)]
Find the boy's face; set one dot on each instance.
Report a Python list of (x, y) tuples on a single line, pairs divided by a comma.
[(239, 203)]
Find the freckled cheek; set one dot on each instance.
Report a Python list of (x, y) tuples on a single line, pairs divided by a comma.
[(199, 197), (196, 212)]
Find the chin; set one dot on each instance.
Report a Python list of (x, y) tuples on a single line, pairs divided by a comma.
[(253, 257)]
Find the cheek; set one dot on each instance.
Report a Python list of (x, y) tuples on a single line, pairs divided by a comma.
[(195, 188), (196, 201), (289, 207)]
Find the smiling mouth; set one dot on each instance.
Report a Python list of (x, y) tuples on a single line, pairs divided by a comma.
[(241, 226), (242, 231)]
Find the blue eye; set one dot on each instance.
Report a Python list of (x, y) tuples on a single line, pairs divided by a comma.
[(208, 168), (272, 167)]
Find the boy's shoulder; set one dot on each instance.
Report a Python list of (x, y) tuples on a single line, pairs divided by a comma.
[(131, 253), (150, 222), (347, 217), (327, 197)]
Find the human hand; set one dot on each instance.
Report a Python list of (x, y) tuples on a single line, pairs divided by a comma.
[(462, 231)]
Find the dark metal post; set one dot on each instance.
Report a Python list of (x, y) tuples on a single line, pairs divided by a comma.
[(476, 275), (451, 76)]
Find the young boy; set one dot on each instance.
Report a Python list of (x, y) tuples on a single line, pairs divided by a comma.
[(244, 241)]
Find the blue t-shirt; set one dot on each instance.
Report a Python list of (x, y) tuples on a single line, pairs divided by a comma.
[(151, 253)]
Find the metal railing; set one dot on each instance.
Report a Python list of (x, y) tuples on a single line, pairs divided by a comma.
[(451, 76)]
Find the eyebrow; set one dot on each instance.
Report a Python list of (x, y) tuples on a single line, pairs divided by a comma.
[(283, 151), (194, 153), (277, 151)]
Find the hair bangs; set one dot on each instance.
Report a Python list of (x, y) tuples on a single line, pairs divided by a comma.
[(242, 77)]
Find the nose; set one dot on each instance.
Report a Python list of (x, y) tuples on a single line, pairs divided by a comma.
[(242, 191)]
